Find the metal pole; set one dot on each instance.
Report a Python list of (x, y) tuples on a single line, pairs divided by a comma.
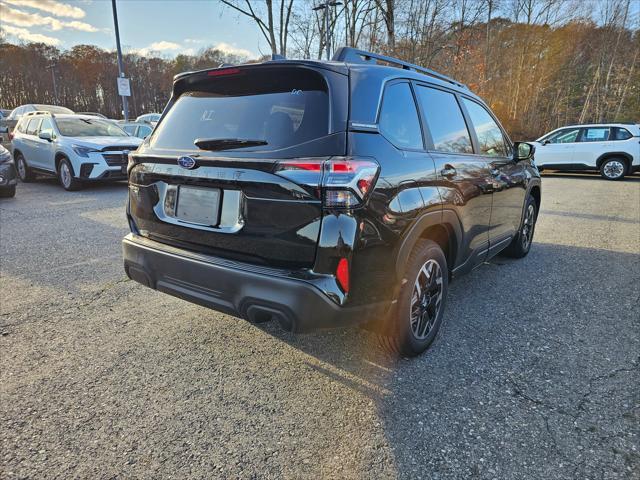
[(125, 106), (326, 16)]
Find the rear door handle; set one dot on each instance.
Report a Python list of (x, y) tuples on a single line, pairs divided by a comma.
[(448, 171)]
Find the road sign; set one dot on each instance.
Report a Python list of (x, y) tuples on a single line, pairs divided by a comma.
[(124, 87)]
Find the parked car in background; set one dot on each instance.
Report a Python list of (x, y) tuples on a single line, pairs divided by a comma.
[(16, 114), (7, 174), (4, 129), (93, 114), (75, 148), (613, 149), (151, 118), (137, 129), (324, 194)]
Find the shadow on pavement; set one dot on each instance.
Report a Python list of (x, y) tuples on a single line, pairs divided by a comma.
[(534, 375)]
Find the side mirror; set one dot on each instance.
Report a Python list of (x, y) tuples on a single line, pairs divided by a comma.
[(546, 142), (523, 151), (4, 129), (45, 136)]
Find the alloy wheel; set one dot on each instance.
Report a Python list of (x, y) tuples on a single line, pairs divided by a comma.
[(426, 299), (613, 169), (527, 227), (22, 168), (65, 175)]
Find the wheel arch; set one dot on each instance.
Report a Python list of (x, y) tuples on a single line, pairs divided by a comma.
[(622, 155), (443, 227)]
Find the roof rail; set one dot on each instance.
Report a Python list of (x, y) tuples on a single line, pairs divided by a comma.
[(354, 55), (38, 112)]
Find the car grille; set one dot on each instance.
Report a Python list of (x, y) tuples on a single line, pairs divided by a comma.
[(116, 159)]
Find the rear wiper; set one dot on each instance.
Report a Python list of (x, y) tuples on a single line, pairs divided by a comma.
[(226, 143)]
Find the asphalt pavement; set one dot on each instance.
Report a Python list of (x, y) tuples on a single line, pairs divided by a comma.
[(535, 376)]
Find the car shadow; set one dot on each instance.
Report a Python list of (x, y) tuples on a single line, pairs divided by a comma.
[(515, 386)]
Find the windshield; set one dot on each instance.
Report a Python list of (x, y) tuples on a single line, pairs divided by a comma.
[(53, 109), (88, 127), (282, 107)]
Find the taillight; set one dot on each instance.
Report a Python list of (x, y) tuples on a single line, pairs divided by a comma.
[(345, 181), (342, 274), (10, 136)]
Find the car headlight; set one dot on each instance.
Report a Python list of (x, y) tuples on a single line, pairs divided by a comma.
[(5, 156), (83, 151)]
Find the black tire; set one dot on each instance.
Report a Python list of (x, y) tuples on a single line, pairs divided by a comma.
[(521, 243), (66, 178), (613, 169), (8, 192), (415, 321), (25, 174)]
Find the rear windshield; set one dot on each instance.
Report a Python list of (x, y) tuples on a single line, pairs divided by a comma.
[(88, 127), (283, 107)]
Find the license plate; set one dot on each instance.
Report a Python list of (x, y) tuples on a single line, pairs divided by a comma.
[(198, 205)]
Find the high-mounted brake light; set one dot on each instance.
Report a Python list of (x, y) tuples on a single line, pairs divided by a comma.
[(345, 181), (224, 71)]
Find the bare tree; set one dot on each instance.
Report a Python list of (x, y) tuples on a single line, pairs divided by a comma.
[(276, 34)]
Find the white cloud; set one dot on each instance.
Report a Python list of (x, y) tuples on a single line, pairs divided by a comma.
[(24, 19), (231, 50), (193, 40), (27, 36), (162, 46), (57, 9)]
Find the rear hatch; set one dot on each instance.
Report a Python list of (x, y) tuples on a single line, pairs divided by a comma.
[(209, 179)]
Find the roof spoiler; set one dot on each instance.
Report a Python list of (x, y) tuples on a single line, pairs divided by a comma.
[(354, 55)]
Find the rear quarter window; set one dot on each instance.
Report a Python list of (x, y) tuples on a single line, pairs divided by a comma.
[(282, 106)]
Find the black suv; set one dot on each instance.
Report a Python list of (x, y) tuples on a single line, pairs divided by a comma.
[(323, 194)]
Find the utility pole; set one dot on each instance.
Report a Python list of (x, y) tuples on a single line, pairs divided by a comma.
[(125, 105), (53, 79), (325, 7)]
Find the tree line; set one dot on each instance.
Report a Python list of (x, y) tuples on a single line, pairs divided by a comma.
[(539, 64)]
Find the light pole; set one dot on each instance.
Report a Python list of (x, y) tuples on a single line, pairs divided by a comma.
[(325, 6), (125, 105)]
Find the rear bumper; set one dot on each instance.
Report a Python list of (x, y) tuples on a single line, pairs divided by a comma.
[(242, 290)]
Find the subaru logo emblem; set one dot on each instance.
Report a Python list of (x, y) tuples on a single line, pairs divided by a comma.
[(186, 162)]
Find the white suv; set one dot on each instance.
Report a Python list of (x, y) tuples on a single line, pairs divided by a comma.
[(75, 148), (613, 149)]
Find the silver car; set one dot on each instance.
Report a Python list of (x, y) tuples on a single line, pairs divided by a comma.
[(75, 148)]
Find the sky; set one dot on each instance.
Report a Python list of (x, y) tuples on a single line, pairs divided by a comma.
[(167, 27)]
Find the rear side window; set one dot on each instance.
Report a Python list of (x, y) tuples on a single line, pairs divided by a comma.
[(399, 118), (445, 121), (490, 138), (597, 134), (621, 134), (283, 107), (33, 125), (21, 126)]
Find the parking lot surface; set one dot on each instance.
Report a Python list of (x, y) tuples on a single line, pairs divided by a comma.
[(536, 374)]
